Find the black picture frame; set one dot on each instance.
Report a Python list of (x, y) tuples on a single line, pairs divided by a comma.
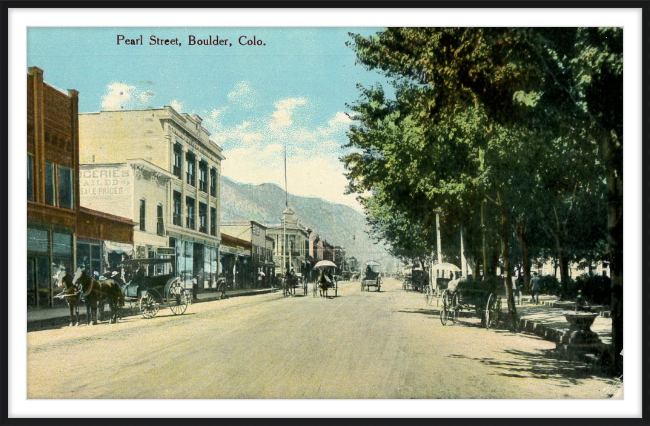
[(314, 4)]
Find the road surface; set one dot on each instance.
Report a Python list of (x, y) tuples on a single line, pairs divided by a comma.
[(358, 345)]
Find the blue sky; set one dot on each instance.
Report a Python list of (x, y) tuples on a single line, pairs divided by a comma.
[(253, 99)]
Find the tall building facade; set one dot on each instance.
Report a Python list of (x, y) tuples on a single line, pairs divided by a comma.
[(176, 173), (60, 233)]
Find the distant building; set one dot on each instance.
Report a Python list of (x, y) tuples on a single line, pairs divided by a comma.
[(236, 264), (296, 247), (60, 233), (174, 169), (262, 265)]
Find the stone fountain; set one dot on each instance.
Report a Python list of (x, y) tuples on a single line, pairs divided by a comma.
[(579, 338)]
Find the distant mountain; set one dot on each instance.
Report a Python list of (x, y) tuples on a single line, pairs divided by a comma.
[(336, 223)]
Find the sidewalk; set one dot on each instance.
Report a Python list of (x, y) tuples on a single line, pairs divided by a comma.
[(39, 319), (547, 321)]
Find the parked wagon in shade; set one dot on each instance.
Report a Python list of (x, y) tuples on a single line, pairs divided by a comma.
[(482, 297)]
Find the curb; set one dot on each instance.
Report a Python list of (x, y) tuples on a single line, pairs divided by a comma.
[(597, 356), (57, 322)]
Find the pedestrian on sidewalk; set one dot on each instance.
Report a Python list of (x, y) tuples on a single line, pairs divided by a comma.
[(535, 288), (195, 287)]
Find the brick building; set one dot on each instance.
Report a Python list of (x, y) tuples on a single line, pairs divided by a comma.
[(59, 232)]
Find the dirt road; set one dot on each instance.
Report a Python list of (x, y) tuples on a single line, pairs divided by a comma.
[(358, 345)]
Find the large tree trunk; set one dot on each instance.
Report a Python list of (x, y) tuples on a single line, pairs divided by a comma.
[(614, 162), (563, 261), (524, 257), (512, 310)]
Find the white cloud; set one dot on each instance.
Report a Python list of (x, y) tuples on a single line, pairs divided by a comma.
[(284, 112), (309, 176), (243, 95), (254, 150), (177, 105), (118, 96), (340, 120)]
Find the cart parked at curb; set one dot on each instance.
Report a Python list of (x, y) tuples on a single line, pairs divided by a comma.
[(482, 297), (150, 292)]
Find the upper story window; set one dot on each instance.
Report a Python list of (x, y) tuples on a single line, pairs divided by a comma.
[(191, 173), (213, 182), (143, 214), (189, 218), (160, 227), (203, 218), (203, 176), (213, 221), (49, 184), (30, 177), (65, 186), (177, 209), (59, 185), (178, 160)]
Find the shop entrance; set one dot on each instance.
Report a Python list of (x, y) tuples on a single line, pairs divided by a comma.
[(38, 281)]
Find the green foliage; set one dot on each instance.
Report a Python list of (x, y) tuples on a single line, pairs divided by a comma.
[(508, 115)]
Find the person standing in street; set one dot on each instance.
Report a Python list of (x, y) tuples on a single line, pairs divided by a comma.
[(535, 288)]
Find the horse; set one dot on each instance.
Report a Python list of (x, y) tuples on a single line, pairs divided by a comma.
[(323, 284), (97, 292), (289, 285), (71, 293)]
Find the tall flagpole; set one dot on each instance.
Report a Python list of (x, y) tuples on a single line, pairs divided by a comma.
[(284, 217)]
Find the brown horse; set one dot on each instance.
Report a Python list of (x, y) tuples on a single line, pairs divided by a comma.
[(97, 292), (324, 283), (72, 293)]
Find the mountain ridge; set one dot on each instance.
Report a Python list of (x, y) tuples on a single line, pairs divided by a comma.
[(337, 223)]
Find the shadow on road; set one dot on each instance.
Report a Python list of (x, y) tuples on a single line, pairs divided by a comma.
[(541, 364)]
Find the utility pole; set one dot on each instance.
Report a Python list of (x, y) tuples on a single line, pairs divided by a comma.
[(438, 234), (463, 261)]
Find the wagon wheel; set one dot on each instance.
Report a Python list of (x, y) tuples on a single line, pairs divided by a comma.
[(492, 311), (444, 311), (178, 298), (455, 308), (150, 303)]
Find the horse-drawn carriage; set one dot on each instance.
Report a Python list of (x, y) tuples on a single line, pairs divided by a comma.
[(150, 292), (292, 282), (326, 279), (482, 297), (371, 276), (441, 275)]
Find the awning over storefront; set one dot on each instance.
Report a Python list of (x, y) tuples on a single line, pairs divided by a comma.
[(121, 248)]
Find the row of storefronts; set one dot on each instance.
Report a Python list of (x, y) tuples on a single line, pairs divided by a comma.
[(107, 187)]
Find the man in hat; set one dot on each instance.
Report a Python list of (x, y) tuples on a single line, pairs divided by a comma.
[(535, 288)]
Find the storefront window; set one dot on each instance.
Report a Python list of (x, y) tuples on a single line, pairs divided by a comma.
[(66, 198), (37, 240), (185, 261), (89, 257)]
